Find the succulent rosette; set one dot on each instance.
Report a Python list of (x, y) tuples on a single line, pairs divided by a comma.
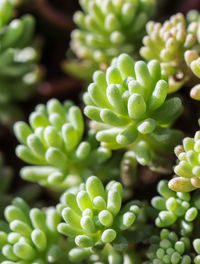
[(129, 108), (173, 44), (52, 144), (176, 209), (169, 248), (94, 219), (31, 235), (188, 165), (106, 29)]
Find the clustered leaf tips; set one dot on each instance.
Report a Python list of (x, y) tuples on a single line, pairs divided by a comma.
[(19, 55), (130, 119), (96, 211), (105, 30), (168, 248), (132, 98), (94, 217), (175, 45), (31, 236), (52, 143), (130, 107), (188, 165), (176, 208)]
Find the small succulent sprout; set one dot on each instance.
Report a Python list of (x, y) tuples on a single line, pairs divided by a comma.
[(93, 216), (168, 248), (188, 167), (128, 105), (32, 236), (106, 29), (168, 44), (176, 208), (52, 143)]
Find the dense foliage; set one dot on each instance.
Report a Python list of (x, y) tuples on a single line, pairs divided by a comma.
[(124, 130)]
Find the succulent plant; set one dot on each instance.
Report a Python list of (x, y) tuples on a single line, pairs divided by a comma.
[(131, 126), (172, 44), (188, 166), (19, 74), (94, 218), (106, 29), (18, 71), (53, 143), (168, 248), (129, 109), (31, 235), (176, 208)]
